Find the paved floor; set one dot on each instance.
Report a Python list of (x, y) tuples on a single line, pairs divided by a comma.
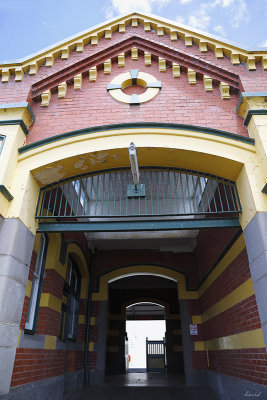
[(145, 386), (138, 379)]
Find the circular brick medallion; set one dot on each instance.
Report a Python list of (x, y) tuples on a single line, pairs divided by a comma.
[(134, 78)]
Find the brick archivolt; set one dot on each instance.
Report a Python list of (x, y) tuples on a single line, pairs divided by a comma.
[(135, 54), (161, 26)]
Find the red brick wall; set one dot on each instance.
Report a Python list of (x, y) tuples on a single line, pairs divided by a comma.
[(250, 80), (242, 317), (211, 243), (93, 333), (95, 308), (231, 278), (48, 321), (53, 283), (92, 356), (199, 360), (249, 364), (185, 262), (73, 360), (178, 102), (35, 364)]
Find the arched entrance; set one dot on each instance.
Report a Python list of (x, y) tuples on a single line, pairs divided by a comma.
[(65, 181), (194, 247), (146, 298)]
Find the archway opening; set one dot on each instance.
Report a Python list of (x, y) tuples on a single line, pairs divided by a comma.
[(145, 341), (144, 328)]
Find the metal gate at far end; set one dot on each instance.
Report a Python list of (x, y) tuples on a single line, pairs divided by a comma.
[(155, 355)]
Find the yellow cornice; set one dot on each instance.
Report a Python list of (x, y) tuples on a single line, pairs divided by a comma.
[(160, 25)]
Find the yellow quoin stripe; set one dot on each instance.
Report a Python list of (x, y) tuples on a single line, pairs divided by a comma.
[(81, 319), (236, 296), (28, 289), (244, 340), (19, 338), (91, 346), (48, 300), (196, 319), (229, 257), (50, 342)]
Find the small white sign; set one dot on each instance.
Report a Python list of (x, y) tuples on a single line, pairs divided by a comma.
[(193, 329)]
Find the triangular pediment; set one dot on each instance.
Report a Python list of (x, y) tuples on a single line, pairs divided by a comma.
[(178, 61), (122, 24)]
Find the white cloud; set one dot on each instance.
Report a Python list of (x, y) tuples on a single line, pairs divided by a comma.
[(201, 17), (240, 13), (264, 44), (236, 9), (200, 20), (185, 1), (114, 7), (219, 29), (227, 3), (221, 3), (180, 19)]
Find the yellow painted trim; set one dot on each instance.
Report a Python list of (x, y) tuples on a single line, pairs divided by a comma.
[(144, 269), (28, 288), (236, 296), (136, 131), (59, 268), (52, 259), (196, 319), (81, 319), (207, 357), (74, 249), (166, 306), (91, 346), (19, 338), (164, 26), (229, 257), (37, 242), (199, 346), (244, 340), (49, 300), (125, 80), (50, 342), (177, 148)]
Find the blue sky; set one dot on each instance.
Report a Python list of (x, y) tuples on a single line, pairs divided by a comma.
[(27, 26)]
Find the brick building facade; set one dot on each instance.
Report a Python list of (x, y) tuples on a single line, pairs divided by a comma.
[(73, 242)]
